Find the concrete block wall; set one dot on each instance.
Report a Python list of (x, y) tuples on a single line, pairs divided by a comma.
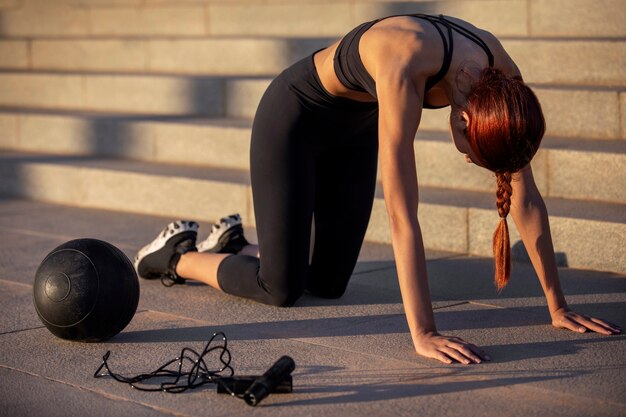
[(118, 103), (301, 18)]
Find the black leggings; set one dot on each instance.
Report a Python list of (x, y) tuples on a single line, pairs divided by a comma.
[(312, 154)]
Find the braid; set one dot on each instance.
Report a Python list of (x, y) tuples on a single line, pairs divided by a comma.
[(504, 130), (501, 243), (503, 193)]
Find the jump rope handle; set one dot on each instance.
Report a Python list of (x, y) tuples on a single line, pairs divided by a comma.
[(266, 383)]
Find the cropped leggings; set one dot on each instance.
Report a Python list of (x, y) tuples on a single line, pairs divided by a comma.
[(312, 156)]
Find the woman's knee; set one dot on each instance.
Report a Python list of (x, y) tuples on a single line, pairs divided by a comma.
[(284, 298), (328, 280), (282, 283)]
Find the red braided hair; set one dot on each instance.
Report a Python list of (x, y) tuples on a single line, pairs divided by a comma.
[(504, 130)]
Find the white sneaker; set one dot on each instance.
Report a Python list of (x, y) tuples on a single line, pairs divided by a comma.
[(158, 258), (226, 236)]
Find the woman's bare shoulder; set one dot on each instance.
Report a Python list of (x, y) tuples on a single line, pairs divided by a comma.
[(401, 45)]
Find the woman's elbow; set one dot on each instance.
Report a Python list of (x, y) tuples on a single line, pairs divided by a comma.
[(402, 222), (528, 203)]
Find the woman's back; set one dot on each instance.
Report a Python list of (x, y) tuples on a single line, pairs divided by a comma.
[(418, 45)]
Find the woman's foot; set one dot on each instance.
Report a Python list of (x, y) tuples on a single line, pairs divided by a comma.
[(158, 259), (226, 236)]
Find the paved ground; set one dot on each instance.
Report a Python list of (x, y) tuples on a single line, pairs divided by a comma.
[(354, 355)]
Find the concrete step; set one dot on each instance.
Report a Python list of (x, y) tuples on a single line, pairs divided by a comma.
[(42, 18), (577, 112), (213, 142), (590, 62), (564, 167), (457, 221), (160, 189), (134, 94), (243, 56), (600, 112), (556, 61)]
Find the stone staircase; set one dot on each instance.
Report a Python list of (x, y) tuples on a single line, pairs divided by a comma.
[(146, 106)]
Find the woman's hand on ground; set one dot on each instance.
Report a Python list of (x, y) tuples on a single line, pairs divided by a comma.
[(448, 349), (564, 318)]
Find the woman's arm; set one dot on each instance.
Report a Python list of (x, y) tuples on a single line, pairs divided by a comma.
[(400, 107), (531, 218)]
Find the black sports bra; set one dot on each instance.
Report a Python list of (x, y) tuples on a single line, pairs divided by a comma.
[(353, 75)]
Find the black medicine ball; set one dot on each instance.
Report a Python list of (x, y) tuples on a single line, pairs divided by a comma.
[(86, 290)]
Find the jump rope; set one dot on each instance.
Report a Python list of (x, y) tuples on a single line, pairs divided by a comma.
[(190, 370)]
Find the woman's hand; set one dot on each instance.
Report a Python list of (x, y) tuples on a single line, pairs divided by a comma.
[(564, 318), (449, 349)]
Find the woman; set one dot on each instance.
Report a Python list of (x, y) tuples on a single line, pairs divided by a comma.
[(314, 148)]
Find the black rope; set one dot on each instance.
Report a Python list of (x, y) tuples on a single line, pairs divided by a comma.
[(187, 371)]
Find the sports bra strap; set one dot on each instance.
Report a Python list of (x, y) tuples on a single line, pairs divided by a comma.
[(448, 47), (471, 36)]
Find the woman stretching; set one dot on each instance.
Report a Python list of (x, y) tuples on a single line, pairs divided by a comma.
[(315, 142)]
